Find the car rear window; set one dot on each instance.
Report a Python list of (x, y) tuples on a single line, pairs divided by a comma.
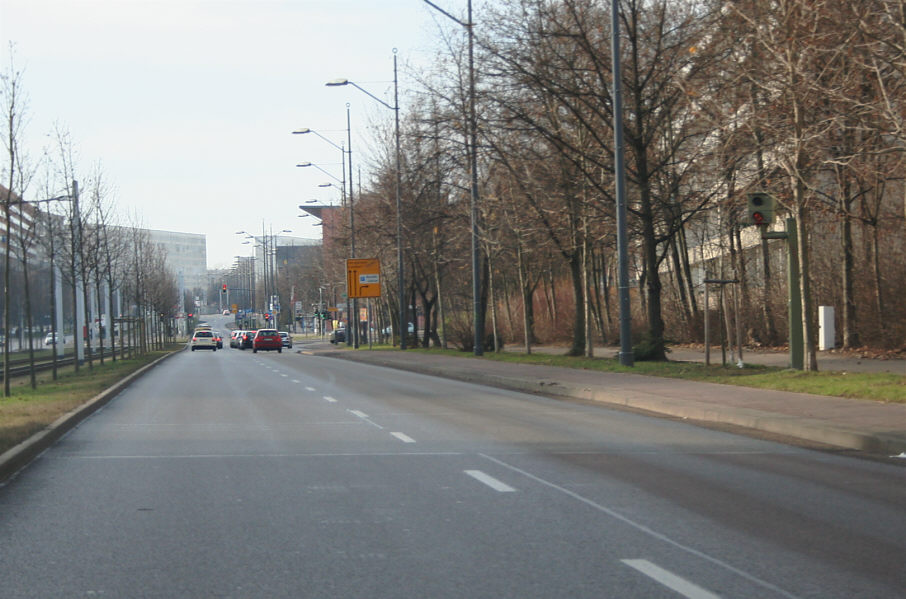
[(203, 334)]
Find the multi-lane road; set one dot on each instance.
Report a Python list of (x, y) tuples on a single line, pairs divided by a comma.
[(233, 474)]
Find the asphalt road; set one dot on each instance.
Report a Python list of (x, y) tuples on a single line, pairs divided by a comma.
[(232, 474)]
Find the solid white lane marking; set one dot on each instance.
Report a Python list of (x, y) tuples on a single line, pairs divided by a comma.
[(309, 388), (669, 579), (490, 481), (329, 398), (358, 413), (250, 455), (644, 529), (403, 437)]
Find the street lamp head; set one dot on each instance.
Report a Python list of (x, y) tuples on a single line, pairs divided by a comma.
[(325, 184), (310, 202), (303, 164), (337, 82), (302, 131)]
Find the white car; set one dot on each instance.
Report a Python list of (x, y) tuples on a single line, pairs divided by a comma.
[(50, 338), (203, 339)]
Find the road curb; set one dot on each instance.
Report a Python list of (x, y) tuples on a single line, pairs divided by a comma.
[(19, 456), (797, 427)]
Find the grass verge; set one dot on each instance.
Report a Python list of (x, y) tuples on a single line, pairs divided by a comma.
[(27, 411), (881, 387)]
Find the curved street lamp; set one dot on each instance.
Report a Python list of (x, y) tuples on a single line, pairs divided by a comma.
[(399, 226)]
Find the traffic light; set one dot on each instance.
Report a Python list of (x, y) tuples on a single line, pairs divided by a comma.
[(224, 288), (760, 209)]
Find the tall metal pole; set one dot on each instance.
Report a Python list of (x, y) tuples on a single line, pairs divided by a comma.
[(478, 321), (78, 319), (352, 315), (626, 353), (404, 323)]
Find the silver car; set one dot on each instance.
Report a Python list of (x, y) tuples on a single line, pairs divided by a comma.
[(286, 338)]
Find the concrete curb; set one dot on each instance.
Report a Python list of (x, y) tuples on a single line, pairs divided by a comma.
[(802, 428), (19, 456)]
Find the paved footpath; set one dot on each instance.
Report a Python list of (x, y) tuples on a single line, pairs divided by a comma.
[(868, 426), (828, 361)]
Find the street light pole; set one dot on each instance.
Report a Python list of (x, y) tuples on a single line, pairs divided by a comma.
[(352, 316), (626, 353), (478, 321), (403, 325), (337, 146)]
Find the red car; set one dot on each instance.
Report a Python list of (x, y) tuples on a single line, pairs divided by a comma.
[(266, 340)]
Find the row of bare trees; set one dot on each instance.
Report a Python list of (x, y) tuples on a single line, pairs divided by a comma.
[(53, 230), (804, 99)]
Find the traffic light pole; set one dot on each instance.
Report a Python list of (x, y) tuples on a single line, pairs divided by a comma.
[(797, 353)]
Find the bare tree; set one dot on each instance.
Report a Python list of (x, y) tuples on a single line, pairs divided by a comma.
[(14, 105)]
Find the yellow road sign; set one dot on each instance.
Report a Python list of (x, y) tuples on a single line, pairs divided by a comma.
[(363, 277)]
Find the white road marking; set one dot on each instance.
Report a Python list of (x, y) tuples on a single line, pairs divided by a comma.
[(403, 437), (644, 529), (284, 375), (669, 579), (310, 389), (296, 380), (490, 481), (365, 418), (329, 398)]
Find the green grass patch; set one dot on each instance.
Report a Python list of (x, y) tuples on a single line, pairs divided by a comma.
[(883, 387), (27, 411)]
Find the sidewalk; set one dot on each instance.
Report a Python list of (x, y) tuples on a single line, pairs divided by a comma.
[(867, 426), (829, 361)]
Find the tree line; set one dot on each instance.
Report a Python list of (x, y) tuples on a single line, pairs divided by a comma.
[(801, 99), (61, 224)]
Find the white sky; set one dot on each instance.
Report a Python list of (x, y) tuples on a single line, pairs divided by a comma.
[(188, 105)]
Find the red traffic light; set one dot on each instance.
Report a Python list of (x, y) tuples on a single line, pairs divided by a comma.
[(224, 287), (758, 218), (190, 315)]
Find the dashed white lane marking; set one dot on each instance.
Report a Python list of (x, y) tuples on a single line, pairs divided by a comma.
[(403, 437), (644, 529), (329, 398), (669, 579), (296, 381), (309, 388), (284, 375), (365, 418), (490, 481)]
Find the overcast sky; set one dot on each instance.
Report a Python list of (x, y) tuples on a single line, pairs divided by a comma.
[(188, 105)]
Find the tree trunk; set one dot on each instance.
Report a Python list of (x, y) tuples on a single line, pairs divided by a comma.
[(850, 331), (808, 327), (575, 270), (527, 307)]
